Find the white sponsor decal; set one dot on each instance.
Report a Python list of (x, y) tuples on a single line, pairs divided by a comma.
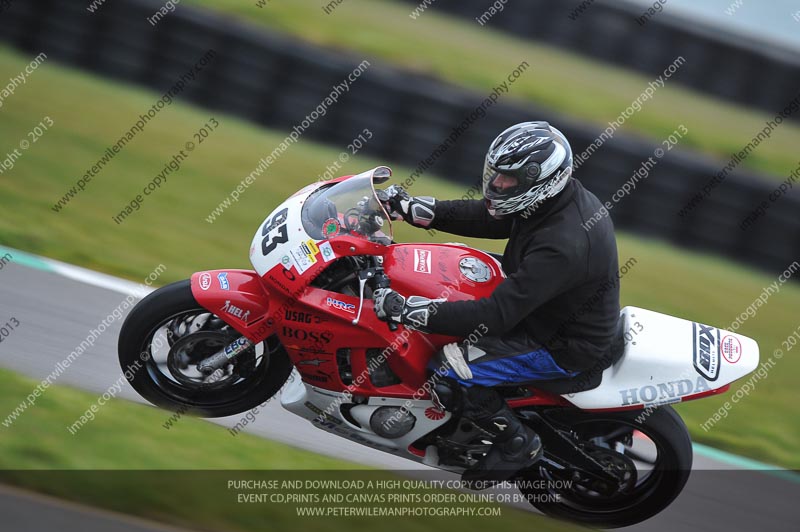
[(205, 281), (422, 261), (304, 256), (731, 349), (327, 251), (303, 260)]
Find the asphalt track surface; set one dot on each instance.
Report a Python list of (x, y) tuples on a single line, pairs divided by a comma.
[(56, 314)]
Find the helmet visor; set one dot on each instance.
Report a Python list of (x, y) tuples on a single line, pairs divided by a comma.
[(499, 185)]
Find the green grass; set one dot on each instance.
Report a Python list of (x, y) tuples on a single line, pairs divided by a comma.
[(170, 227), (128, 436), (462, 52)]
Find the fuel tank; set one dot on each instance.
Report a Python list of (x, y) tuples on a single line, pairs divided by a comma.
[(451, 271)]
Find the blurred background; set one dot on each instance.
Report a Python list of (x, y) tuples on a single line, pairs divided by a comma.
[(98, 99)]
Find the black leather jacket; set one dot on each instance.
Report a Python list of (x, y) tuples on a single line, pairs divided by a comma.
[(562, 287)]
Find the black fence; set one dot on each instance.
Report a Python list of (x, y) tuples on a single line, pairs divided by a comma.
[(726, 65), (276, 81)]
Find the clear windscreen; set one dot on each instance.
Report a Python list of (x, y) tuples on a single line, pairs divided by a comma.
[(350, 207)]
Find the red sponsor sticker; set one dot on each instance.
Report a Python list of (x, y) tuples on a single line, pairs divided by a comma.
[(422, 261), (433, 413), (731, 349), (205, 281)]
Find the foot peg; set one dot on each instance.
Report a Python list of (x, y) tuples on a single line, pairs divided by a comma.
[(520, 451)]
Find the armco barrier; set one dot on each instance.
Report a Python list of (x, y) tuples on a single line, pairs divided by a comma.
[(276, 81), (732, 66)]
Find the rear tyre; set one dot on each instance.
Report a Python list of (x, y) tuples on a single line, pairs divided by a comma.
[(659, 468), (168, 333)]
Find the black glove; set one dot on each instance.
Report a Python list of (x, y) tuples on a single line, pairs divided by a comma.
[(413, 312), (416, 210)]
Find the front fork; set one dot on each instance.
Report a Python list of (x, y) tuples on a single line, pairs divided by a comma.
[(221, 358)]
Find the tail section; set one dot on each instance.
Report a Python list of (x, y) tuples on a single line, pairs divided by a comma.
[(669, 360)]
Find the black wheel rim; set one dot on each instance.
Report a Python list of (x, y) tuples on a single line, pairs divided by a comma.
[(169, 332), (636, 443)]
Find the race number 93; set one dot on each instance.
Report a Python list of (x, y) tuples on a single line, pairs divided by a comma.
[(274, 232)]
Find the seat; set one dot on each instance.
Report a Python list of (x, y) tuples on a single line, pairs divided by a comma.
[(590, 378)]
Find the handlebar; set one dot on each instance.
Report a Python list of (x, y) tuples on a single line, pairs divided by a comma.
[(382, 281)]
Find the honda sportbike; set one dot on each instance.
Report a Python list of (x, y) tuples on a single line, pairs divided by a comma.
[(227, 340)]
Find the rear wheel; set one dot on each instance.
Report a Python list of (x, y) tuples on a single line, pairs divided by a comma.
[(649, 451), (168, 333)]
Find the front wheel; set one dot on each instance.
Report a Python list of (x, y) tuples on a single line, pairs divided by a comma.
[(649, 450), (168, 333)]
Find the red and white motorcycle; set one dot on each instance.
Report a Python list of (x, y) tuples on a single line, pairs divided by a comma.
[(225, 341)]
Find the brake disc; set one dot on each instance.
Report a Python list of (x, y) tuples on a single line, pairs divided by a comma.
[(192, 348)]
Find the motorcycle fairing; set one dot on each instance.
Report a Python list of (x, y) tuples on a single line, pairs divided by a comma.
[(301, 228), (280, 239), (669, 360), (323, 408)]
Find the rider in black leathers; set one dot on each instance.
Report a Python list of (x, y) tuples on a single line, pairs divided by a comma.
[(552, 318)]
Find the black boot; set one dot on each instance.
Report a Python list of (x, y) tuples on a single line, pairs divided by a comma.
[(515, 445)]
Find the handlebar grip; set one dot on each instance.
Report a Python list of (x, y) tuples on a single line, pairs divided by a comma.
[(382, 281)]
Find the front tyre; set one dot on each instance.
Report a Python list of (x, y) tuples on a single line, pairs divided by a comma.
[(168, 333), (650, 449)]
